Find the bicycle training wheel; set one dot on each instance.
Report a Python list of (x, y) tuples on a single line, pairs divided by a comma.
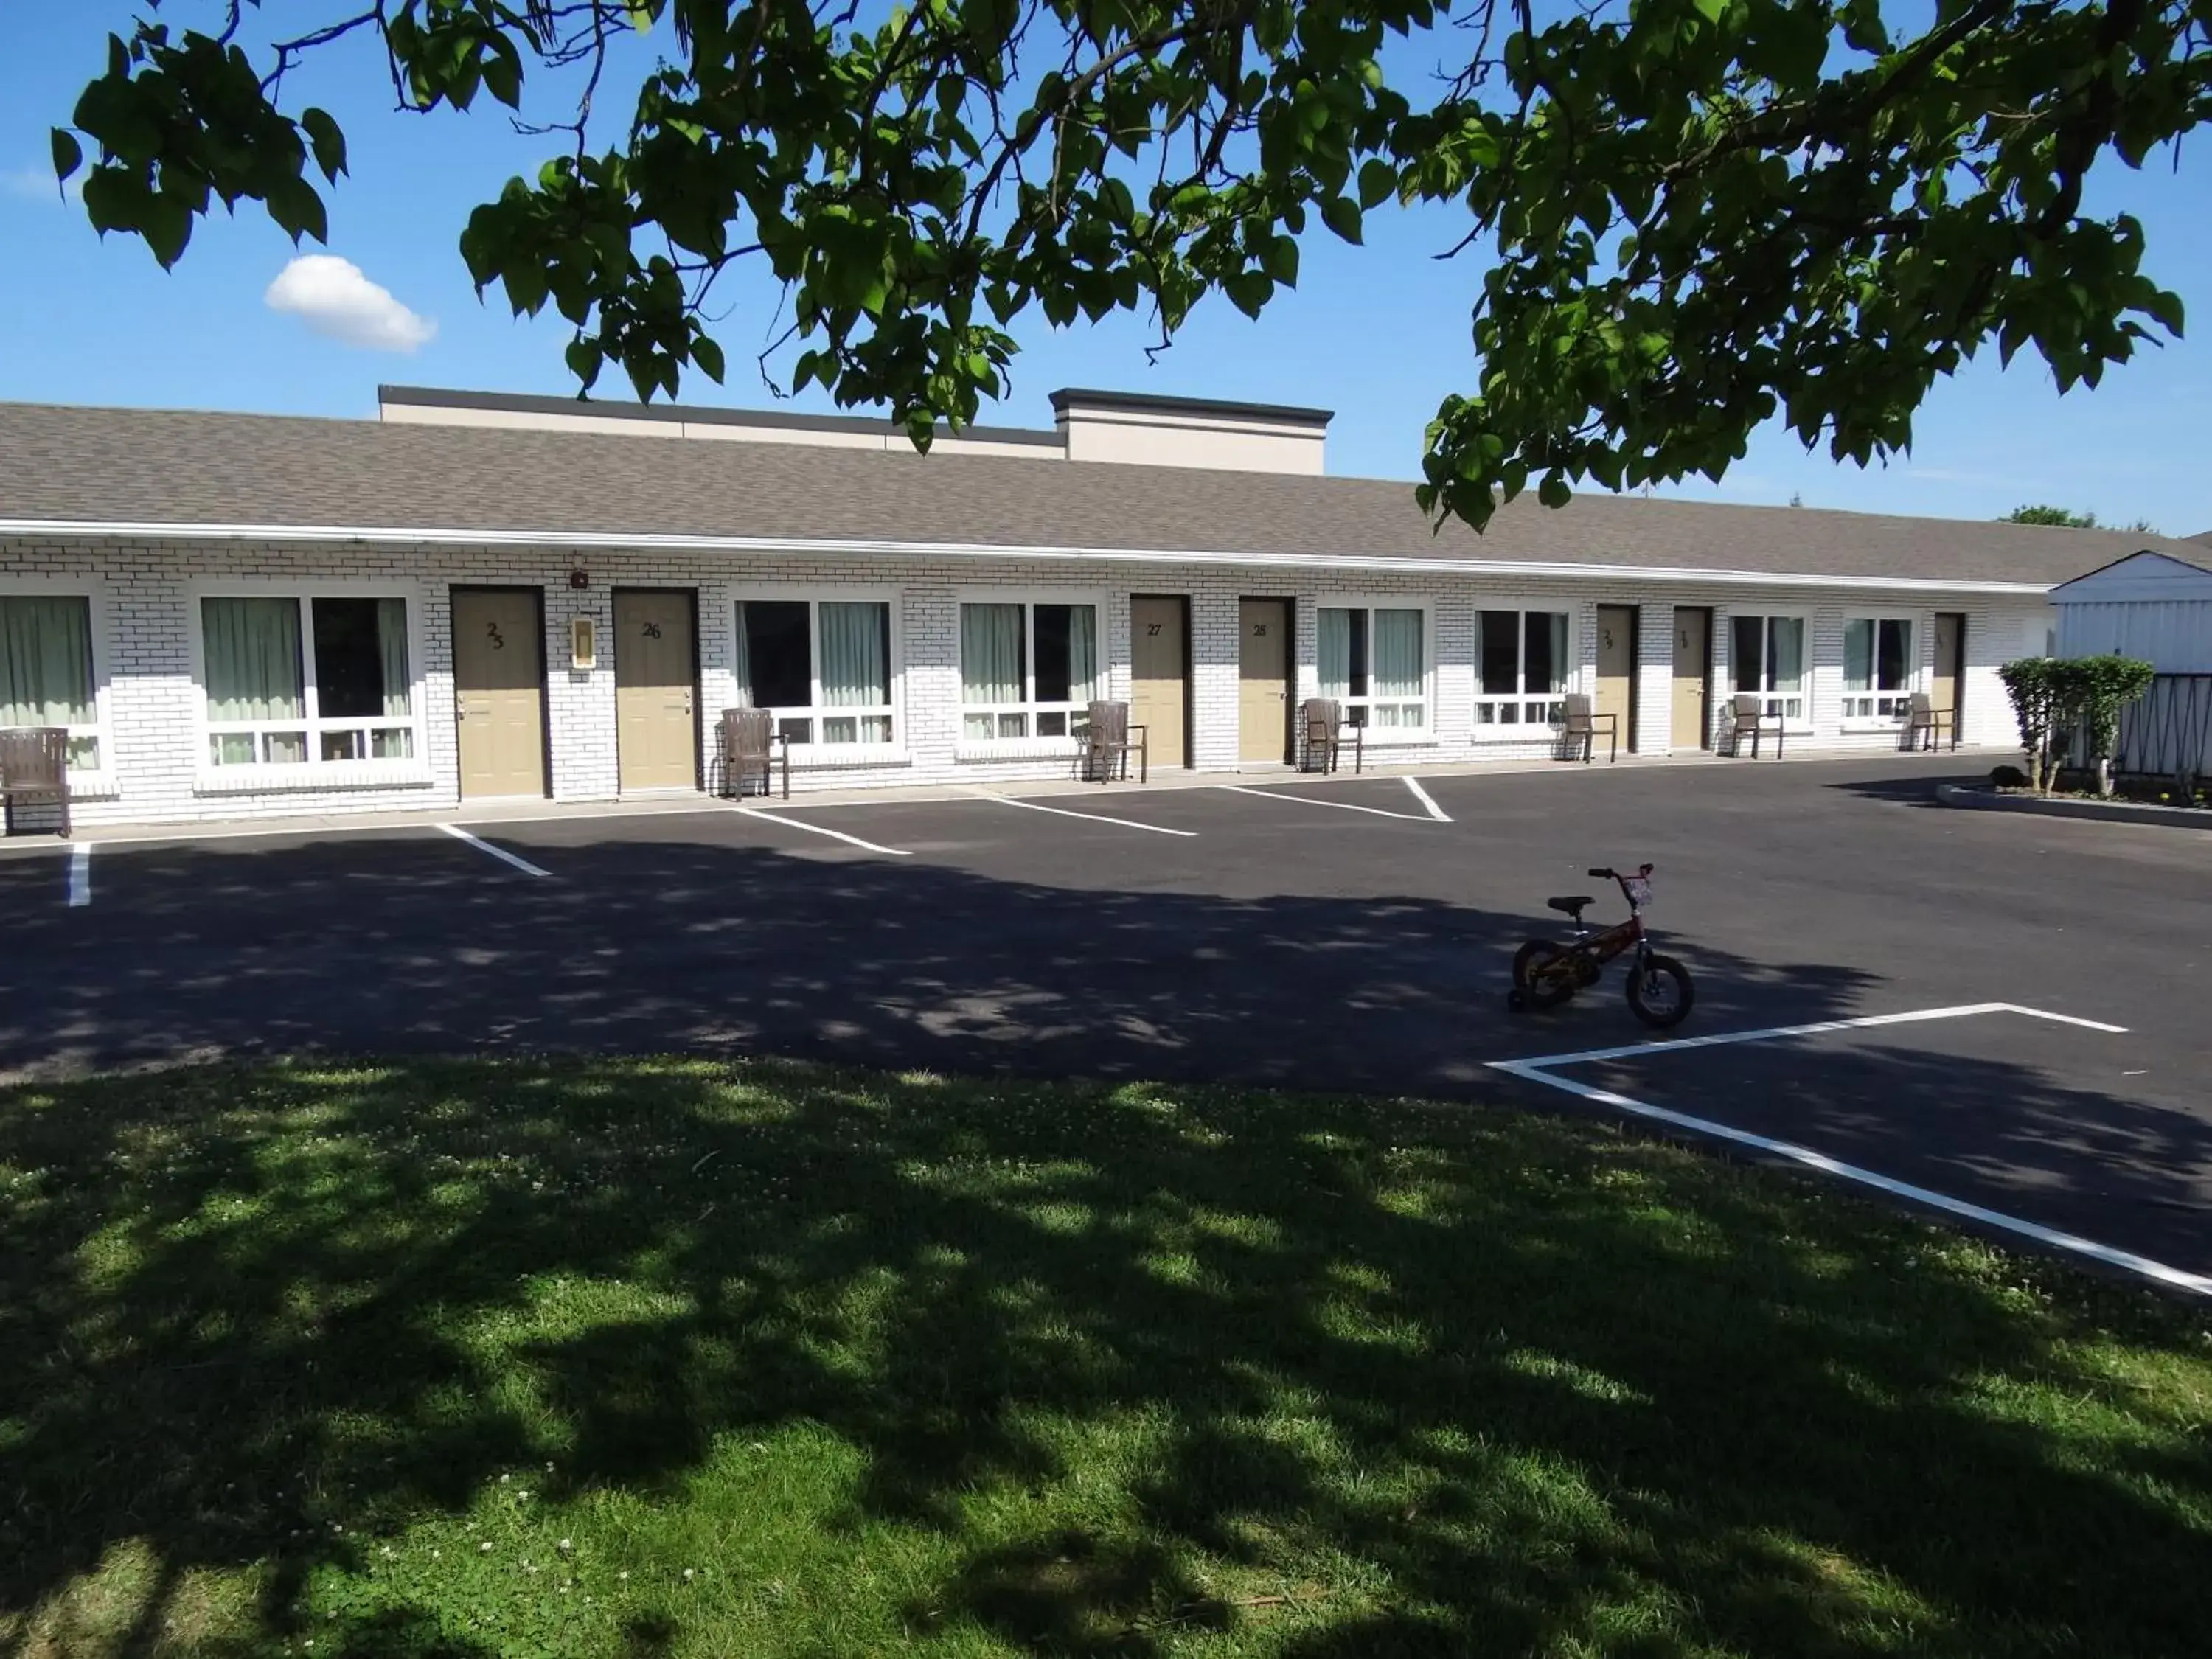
[(1660, 993), (1543, 989)]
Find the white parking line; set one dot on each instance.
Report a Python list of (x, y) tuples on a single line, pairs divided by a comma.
[(822, 830), (1539, 1071), (1317, 800), (1422, 796), (1061, 812), (1964, 1011), (80, 875), (499, 852)]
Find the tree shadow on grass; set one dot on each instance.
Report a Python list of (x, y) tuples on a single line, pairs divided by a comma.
[(1105, 1368)]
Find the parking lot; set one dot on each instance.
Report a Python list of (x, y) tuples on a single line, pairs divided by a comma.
[(1345, 933)]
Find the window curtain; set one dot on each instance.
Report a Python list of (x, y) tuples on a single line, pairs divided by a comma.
[(742, 668), (45, 662), (991, 654), (1894, 666), (1560, 660), (252, 657), (392, 647), (1501, 653), (1332, 651), (1398, 659), (1082, 653), (855, 666), (1858, 655), (1747, 655), (1788, 654)]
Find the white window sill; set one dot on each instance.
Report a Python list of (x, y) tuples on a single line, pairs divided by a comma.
[(1518, 733), (310, 779), (1396, 737), (819, 756), (1003, 749), (1893, 725)]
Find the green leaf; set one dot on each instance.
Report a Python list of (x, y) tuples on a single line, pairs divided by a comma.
[(1554, 491), (1250, 291), (1341, 214), (69, 155), (1378, 183), (709, 356), (585, 358), (297, 209), (1281, 260), (167, 225), (329, 145)]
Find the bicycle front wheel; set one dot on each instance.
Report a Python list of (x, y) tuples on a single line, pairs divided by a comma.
[(1660, 993)]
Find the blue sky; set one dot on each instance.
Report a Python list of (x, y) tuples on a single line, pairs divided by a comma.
[(1379, 334)]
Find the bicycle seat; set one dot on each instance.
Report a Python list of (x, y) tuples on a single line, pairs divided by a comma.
[(1569, 907)]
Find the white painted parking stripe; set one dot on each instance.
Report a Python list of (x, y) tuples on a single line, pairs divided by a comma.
[(1423, 796), (1964, 1011), (80, 875), (2065, 1019), (1061, 812), (499, 852), (822, 830), (1317, 800), (2127, 1262)]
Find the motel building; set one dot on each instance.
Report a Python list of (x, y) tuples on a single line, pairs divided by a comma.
[(483, 598)]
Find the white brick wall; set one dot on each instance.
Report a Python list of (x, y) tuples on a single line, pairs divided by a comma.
[(144, 613)]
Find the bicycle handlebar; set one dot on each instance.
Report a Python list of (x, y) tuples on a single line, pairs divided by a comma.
[(1615, 875)]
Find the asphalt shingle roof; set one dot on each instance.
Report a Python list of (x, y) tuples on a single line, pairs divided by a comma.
[(125, 465)]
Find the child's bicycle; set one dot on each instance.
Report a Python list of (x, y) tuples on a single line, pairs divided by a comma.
[(1545, 973)]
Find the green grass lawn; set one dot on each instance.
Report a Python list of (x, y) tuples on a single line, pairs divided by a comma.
[(691, 1358)]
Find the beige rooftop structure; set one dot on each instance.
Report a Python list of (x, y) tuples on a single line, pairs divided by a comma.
[(1130, 428)]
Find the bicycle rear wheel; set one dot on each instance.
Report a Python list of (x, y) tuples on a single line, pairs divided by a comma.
[(1541, 974)]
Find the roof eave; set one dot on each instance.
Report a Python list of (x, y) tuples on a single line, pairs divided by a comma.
[(1386, 563)]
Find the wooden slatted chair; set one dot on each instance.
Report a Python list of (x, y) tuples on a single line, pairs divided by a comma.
[(1581, 723), (1747, 715), (1112, 740), (1320, 736), (34, 771), (1925, 724), (752, 748)]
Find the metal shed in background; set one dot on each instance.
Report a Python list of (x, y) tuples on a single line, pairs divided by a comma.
[(2157, 607), (2150, 605)]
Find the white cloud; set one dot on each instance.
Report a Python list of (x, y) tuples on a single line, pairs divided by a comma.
[(331, 296), (36, 183)]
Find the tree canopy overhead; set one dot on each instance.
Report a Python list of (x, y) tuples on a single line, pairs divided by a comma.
[(1696, 214)]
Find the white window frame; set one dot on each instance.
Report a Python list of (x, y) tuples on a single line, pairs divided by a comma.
[(1029, 745), (1383, 736), (1553, 703), (258, 776), (102, 779), (1775, 702), (814, 597), (1873, 719)]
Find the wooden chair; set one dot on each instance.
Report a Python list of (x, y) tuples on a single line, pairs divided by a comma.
[(1112, 738), (1582, 726), (751, 746), (1925, 723), (1320, 736), (34, 770), (1747, 713)]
